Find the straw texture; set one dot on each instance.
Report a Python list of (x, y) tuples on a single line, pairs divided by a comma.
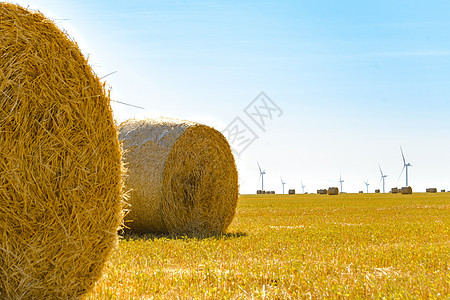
[(182, 177), (60, 163)]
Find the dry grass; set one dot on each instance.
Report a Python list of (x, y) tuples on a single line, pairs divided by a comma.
[(60, 165), (182, 177), (355, 246)]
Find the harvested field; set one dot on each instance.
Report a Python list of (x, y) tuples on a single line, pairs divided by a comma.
[(294, 247)]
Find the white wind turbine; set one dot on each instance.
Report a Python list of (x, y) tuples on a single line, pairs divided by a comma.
[(405, 166), (303, 187), (261, 176), (367, 185), (341, 181), (283, 183), (383, 176)]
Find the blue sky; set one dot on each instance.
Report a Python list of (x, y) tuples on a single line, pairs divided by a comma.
[(355, 79)]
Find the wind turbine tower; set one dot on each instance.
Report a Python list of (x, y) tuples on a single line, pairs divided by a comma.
[(261, 175), (341, 181), (367, 185), (383, 176), (405, 166), (283, 183), (303, 188)]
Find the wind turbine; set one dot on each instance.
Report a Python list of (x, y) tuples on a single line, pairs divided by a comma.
[(261, 175), (341, 181), (382, 177), (405, 166), (367, 185), (303, 187), (283, 183)]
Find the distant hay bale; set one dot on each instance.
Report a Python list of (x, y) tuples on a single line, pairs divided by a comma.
[(61, 170), (377, 191), (442, 191), (258, 192), (333, 191), (394, 190), (322, 191), (361, 192), (291, 192), (406, 190), (431, 190), (182, 177)]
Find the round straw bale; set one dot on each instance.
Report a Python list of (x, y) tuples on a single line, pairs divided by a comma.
[(182, 177), (60, 165)]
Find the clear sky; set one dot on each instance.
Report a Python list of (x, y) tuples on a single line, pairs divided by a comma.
[(354, 79)]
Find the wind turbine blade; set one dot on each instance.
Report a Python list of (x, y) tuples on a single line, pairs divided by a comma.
[(401, 173), (403, 156), (380, 170), (259, 167)]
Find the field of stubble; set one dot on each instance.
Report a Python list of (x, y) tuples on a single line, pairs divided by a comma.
[(296, 247)]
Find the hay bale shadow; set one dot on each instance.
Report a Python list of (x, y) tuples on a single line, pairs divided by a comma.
[(132, 236)]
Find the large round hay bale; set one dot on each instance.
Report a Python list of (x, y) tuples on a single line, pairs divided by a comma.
[(60, 165), (182, 177)]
